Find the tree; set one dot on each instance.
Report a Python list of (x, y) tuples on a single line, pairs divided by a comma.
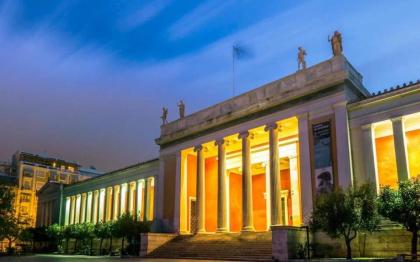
[(86, 236), (55, 234), (402, 205), (345, 213), (102, 231), (67, 234), (8, 222), (11, 228), (28, 235)]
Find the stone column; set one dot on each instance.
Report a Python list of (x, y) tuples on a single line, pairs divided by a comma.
[(305, 171), (135, 192), (127, 199), (200, 192), (115, 202), (247, 208), (145, 201), (369, 155), (275, 183), (344, 168), (111, 204), (400, 148), (222, 218)]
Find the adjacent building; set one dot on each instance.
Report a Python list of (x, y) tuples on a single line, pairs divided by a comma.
[(105, 198), (33, 171)]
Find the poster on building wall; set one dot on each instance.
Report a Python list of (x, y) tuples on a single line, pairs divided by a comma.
[(323, 157)]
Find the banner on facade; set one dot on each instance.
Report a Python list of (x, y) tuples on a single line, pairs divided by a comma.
[(323, 164)]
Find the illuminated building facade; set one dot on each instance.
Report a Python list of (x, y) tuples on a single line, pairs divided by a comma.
[(33, 171), (105, 198), (260, 159)]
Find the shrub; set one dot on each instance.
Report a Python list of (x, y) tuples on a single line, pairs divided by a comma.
[(345, 213), (402, 205)]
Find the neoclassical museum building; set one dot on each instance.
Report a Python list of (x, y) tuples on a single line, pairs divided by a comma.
[(261, 158)]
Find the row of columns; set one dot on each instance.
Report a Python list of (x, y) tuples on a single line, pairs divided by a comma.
[(399, 146), (222, 194), (107, 204)]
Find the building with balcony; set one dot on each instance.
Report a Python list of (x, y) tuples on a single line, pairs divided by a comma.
[(33, 171)]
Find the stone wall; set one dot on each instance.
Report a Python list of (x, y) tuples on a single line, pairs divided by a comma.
[(289, 243), (384, 243), (151, 241)]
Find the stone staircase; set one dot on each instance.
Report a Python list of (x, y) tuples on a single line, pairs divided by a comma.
[(239, 247)]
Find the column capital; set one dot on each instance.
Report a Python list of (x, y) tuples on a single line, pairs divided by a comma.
[(271, 126), (220, 142), (200, 148), (367, 127), (340, 104), (303, 116), (246, 134), (397, 119)]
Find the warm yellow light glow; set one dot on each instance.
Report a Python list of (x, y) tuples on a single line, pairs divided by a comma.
[(77, 218), (116, 201), (89, 207), (101, 204), (95, 206), (67, 212), (150, 198), (385, 154), (140, 199), (123, 198)]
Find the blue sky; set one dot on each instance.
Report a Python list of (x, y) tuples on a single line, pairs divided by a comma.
[(86, 80)]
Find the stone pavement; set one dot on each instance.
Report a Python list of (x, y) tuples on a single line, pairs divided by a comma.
[(70, 258)]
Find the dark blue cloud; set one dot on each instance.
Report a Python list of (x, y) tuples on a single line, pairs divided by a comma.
[(107, 23), (86, 80)]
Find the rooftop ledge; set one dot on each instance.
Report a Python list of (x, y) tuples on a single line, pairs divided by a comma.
[(315, 78)]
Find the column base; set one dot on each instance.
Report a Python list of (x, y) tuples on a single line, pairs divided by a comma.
[(201, 231), (222, 230), (248, 229)]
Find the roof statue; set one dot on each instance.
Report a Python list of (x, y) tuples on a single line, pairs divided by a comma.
[(301, 58), (336, 43), (181, 107), (164, 116)]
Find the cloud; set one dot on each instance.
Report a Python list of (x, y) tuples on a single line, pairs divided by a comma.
[(198, 17), (144, 14), (82, 103)]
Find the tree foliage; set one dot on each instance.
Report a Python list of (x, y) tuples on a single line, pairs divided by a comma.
[(10, 225), (103, 231), (127, 227), (345, 213), (402, 205)]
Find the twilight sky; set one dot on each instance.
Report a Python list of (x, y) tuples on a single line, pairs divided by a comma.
[(86, 80)]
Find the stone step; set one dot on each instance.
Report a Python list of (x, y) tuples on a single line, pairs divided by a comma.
[(242, 247)]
